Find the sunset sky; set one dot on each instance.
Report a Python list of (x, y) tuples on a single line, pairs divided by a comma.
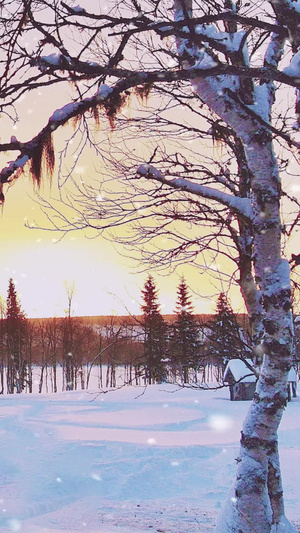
[(105, 281)]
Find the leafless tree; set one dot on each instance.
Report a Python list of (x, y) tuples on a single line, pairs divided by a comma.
[(208, 74)]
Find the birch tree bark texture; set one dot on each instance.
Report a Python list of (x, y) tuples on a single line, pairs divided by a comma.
[(255, 502)]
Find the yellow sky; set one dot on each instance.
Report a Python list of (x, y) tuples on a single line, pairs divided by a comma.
[(105, 281)]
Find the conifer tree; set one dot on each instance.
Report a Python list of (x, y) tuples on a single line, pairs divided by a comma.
[(15, 326), (185, 345), (155, 334), (225, 334)]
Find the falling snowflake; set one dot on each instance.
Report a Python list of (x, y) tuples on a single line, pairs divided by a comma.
[(14, 525), (96, 477), (220, 422)]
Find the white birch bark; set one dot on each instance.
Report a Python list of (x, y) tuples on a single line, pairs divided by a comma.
[(255, 503)]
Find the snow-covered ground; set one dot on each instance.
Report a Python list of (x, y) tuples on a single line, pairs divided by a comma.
[(131, 460)]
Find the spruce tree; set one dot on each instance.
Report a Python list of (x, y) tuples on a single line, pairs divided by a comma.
[(225, 340), (15, 328), (155, 334), (185, 344)]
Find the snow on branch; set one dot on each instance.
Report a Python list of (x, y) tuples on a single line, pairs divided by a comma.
[(112, 98), (13, 167), (293, 69), (226, 16), (34, 150), (203, 67), (75, 9), (241, 206)]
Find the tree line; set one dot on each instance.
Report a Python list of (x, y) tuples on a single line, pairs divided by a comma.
[(185, 349), (150, 349)]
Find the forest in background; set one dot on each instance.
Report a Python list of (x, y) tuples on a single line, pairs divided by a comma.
[(64, 353), (151, 347)]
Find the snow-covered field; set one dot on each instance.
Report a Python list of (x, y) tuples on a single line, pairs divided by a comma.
[(131, 460)]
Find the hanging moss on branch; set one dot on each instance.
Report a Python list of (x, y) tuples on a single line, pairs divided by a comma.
[(42, 159), (143, 91), (113, 105), (96, 115)]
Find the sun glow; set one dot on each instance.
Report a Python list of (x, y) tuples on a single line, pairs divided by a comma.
[(106, 282)]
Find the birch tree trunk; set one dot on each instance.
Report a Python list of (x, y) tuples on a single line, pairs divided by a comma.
[(256, 497), (255, 502)]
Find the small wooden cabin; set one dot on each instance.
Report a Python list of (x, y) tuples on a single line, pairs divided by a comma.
[(241, 380)]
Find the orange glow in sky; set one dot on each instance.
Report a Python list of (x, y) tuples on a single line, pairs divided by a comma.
[(105, 281)]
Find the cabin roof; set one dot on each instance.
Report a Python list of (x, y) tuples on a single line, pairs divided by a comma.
[(241, 373), (239, 370)]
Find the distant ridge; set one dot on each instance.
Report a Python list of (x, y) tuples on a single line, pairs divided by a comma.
[(105, 320)]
